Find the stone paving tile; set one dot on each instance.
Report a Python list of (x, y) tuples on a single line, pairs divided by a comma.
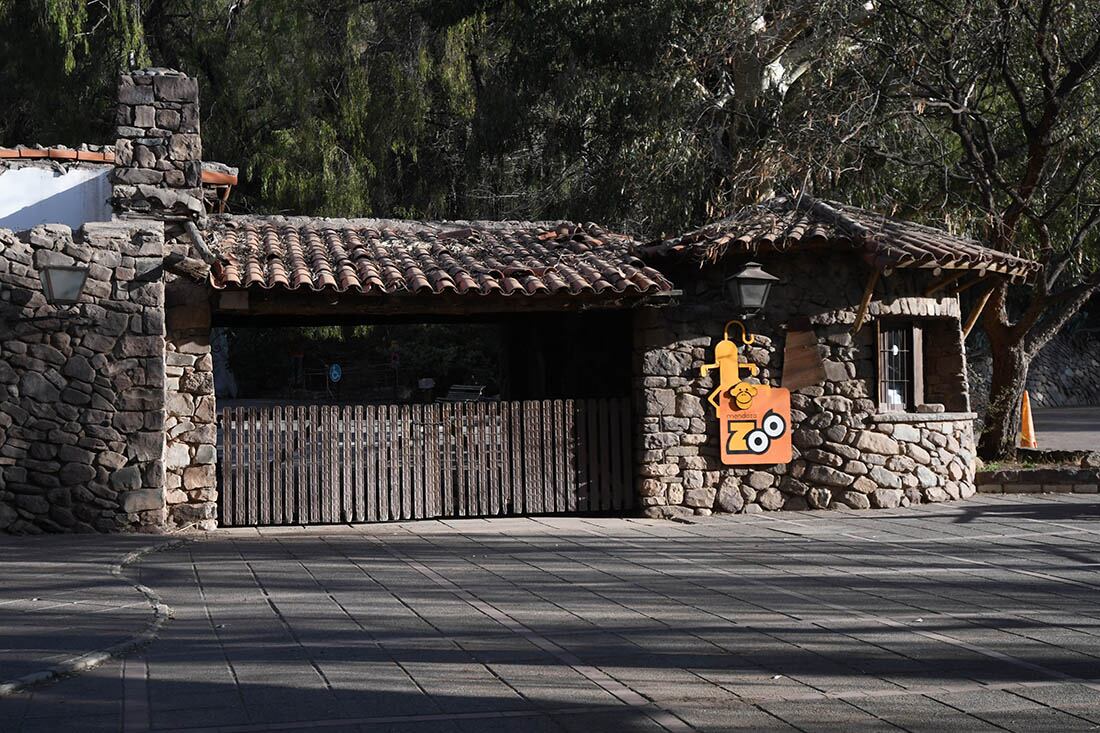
[(825, 715), (733, 717), (627, 721), (1012, 712), (58, 600), (1075, 699), (970, 616), (922, 714)]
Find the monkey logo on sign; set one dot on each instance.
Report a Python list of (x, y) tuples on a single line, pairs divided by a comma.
[(759, 432), (754, 419)]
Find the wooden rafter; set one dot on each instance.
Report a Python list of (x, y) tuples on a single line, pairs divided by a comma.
[(944, 281), (224, 199), (190, 267), (981, 278), (869, 291), (973, 317)]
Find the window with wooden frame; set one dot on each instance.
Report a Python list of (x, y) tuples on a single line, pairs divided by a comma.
[(900, 365)]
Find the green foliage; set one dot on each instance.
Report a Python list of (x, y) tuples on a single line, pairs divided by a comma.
[(649, 115), (640, 115), (963, 102), (79, 23), (59, 63)]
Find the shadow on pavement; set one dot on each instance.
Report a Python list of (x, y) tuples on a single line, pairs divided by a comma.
[(531, 631), (1038, 510)]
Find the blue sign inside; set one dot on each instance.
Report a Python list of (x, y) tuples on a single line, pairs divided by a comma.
[(335, 373)]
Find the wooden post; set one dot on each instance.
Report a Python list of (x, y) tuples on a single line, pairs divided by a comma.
[(867, 293), (973, 318)]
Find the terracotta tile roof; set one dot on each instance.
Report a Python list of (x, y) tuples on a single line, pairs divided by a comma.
[(216, 174), (378, 256), (786, 223), (84, 154)]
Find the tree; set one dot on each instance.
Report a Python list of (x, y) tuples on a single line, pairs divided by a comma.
[(655, 115), (59, 64), (760, 97), (647, 115), (985, 112)]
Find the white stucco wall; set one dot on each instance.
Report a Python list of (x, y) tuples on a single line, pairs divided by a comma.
[(32, 196)]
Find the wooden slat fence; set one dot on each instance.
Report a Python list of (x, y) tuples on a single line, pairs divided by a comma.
[(327, 464)]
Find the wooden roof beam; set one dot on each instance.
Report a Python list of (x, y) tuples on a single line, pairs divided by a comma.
[(868, 292), (982, 277), (978, 308), (944, 281)]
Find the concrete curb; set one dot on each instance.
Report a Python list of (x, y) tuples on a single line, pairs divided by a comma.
[(90, 660)]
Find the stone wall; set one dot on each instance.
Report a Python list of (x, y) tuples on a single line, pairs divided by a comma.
[(1066, 372), (847, 454), (1083, 479), (82, 390)]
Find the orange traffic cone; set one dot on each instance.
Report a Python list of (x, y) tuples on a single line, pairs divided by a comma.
[(1027, 428)]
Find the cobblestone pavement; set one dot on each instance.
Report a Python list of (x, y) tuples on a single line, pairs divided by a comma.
[(1068, 428), (978, 615), (59, 600)]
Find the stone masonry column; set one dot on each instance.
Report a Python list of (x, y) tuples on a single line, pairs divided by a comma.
[(190, 425), (158, 153), (158, 175)]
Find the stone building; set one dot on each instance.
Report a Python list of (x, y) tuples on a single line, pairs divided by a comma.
[(853, 287), (109, 420)]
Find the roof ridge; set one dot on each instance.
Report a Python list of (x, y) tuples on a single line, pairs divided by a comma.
[(927, 228), (213, 172), (823, 209), (308, 217)]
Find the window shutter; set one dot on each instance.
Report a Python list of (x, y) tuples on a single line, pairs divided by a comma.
[(880, 362), (918, 366)]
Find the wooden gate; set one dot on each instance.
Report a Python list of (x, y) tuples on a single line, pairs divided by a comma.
[(375, 463)]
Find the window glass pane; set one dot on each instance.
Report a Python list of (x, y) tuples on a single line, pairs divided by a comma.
[(896, 346)]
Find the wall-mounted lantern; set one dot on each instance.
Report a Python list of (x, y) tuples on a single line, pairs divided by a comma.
[(62, 284), (749, 288)]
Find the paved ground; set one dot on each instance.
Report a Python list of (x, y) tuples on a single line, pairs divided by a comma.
[(58, 600), (1068, 428), (980, 615)]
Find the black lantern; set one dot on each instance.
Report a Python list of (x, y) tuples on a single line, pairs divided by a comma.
[(62, 284), (749, 287)]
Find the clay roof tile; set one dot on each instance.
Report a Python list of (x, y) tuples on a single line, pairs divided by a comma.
[(802, 222), (391, 256)]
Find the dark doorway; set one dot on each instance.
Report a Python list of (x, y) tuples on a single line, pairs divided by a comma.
[(354, 422), (534, 356)]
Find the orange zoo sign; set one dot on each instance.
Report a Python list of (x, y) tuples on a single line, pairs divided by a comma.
[(754, 425)]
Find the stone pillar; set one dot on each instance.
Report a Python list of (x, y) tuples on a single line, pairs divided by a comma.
[(158, 153), (158, 175), (190, 427)]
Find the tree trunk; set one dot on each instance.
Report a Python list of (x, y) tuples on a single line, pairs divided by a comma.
[(1002, 418)]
